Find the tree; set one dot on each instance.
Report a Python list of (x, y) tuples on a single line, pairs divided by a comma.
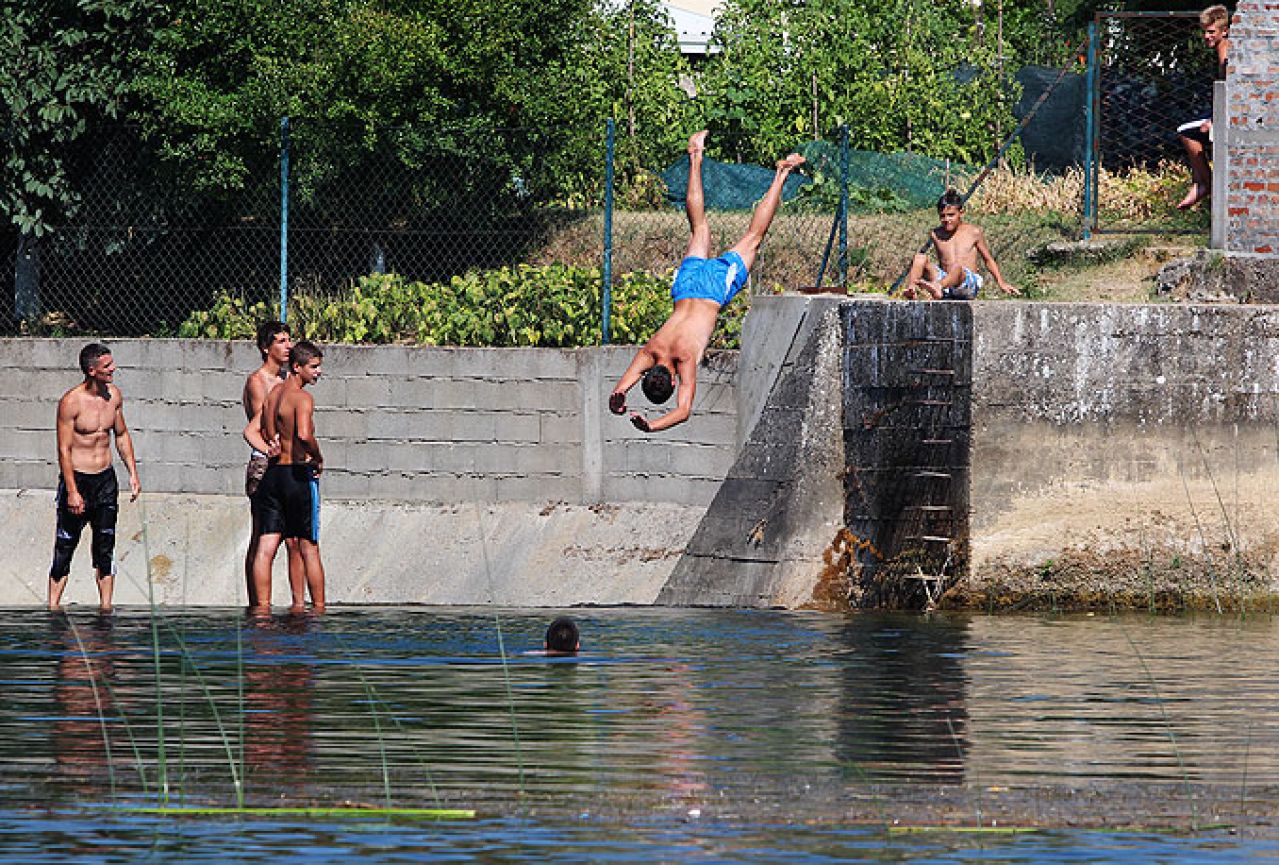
[(63, 67), (909, 75)]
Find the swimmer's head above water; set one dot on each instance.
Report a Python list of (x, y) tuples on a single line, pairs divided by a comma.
[(562, 637)]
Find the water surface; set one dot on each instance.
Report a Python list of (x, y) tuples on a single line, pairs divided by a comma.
[(673, 736)]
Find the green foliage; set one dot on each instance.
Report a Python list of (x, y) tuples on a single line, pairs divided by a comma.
[(913, 75), (63, 66), (548, 306)]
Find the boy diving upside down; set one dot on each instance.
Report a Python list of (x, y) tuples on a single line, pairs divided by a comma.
[(702, 287)]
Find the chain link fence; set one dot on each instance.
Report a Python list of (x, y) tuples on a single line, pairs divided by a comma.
[(150, 240), (1153, 73)]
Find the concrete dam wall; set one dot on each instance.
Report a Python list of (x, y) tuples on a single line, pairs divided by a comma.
[(995, 455)]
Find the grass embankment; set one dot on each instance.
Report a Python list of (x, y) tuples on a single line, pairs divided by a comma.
[(1021, 213)]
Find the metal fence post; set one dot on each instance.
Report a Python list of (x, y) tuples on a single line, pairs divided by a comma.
[(843, 205), (1092, 77), (1220, 164), (284, 218), (606, 292)]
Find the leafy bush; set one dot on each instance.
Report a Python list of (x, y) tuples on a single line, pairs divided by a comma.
[(552, 305)]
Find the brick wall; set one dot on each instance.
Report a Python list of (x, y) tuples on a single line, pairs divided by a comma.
[(397, 423), (1252, 204)]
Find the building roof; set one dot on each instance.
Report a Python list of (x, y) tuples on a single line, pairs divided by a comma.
[(694, 21)]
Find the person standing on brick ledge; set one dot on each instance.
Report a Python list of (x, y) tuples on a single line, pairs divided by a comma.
[(88, 416), (1196, 136), (703, 286)]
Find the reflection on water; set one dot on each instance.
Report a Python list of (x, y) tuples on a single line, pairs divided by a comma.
[(736, 721)]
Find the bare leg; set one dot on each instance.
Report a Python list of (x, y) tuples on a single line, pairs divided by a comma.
[(249, 556), (106, 591), (1200, 173), (56, 588), (699, 240), (310, 554), (762, 218), (267, 546), (297, 574), (919, 265)]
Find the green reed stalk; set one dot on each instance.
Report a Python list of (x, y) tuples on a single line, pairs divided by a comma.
[(501, 648), (239, 696), (1172, 734), (161, 761), (97, 705), (1203, 541), (189, 661), (376, 700)]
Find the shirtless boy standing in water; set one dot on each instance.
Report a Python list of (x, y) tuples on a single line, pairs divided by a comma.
[(958, 244), (274, 343), (88, 415), (287, 501), (702, 287)]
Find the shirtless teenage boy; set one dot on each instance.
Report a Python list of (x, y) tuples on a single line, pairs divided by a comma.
[(1196, 135), (88, 415), (958, 244), (702, 287), (274, 342), (287, 501)]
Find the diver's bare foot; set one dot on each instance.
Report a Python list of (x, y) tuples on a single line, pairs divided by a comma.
[(1198, 192), (790, 163), (697, 143)]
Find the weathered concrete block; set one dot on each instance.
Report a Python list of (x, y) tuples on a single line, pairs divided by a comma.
[(559, 429), (538, 488), (513, 428)]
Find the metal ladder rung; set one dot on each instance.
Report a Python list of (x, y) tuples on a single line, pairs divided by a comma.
[(931, 401), (936, 441), (928, 577), (927, 474), (932, 507), (927, 371), (939, 539)]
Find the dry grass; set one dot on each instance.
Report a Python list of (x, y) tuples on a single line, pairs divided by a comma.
[(1020, 210)]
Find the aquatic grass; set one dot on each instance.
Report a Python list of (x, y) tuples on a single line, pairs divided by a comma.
[(285, 811), (1172, 734), (373, 701), (91, 668), (189, 661), (1232, 537), (1203, 542), (162, 763), (501, 649)]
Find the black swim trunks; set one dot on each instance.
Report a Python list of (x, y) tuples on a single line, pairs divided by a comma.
[(100, 493), (287, 502)]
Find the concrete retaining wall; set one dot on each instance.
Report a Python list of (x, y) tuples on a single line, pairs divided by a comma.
[(418, 443), (396, 423)]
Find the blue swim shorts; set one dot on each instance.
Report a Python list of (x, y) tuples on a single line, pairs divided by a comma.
[(966, 290), (717, 279)]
